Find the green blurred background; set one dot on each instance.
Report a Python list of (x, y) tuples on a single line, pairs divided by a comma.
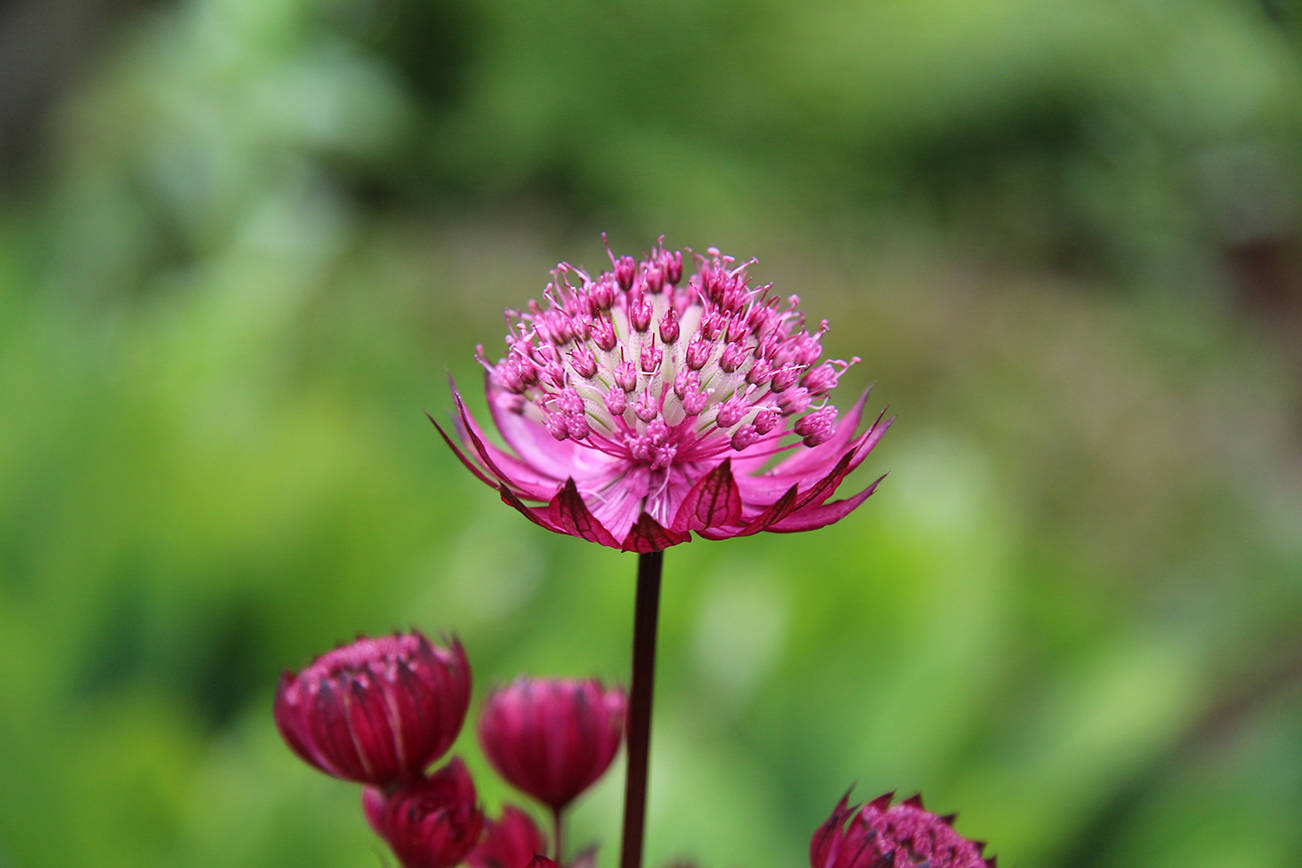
[(242, 243)]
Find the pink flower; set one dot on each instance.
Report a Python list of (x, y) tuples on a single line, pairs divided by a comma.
[(431, 823), (511, 842), (552, 738), (377, 711), (639, 409), (879, 835)]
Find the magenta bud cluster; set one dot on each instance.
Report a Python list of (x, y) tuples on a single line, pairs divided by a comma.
[(380, 711)]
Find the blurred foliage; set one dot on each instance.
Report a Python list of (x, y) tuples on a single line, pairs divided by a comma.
[(253, 236)]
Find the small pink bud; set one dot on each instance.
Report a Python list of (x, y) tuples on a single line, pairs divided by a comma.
[(555, 423), (817, 427), (731, 411), (511, 842), (686, 381), (603, 292), (669, 328), (694, 402), (655, 279), (766, 420), (733, 356), (616, 401), (625, 268), (795, 401), (647, 406), (603, 334), (744, 437), (377, 711), (639, 312), (673, 266), (626, 376), (738, 328), (784, 378), (759, 373), (552, 738), (584, 362), (651, 358), (430, 823), (698, 353), (576, 425), (821, 380)]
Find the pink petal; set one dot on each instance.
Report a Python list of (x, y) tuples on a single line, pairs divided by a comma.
[(814, 517), (530, 482), (474, 468), (713, 501)]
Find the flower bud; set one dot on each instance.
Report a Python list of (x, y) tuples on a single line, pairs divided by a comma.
[(511, 842), (552, 738), (431, 823), (377, 711)]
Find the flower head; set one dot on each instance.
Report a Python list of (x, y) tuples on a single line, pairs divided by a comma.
[(552, 738), (640, 408), (430, 823), (376, 711), (511, 842), (881, 835)]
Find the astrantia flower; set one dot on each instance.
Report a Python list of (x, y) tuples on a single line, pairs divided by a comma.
[(641, 408), (881, 835), (552, 738), (431, 823), (376, 711)]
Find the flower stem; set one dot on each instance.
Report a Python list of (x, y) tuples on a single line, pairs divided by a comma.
[(645, 616), (556, 836)]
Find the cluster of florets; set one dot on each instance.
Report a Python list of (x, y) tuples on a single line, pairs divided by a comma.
[(640, 366), (882, 835), (640, 407), (380, 711)]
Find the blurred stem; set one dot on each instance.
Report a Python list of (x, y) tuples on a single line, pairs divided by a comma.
[(645, 615), (556, 836)]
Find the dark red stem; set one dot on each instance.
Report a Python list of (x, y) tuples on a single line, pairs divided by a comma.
[(556, 836), (645, 615)]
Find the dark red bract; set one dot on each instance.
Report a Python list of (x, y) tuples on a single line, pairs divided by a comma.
[(430, 823), (377, 711), (881, 835), (552, 738)]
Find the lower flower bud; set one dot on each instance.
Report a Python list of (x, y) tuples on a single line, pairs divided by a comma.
[(432, 823)]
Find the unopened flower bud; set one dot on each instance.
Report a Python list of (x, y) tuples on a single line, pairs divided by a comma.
[(625, 268), (376, 711), (511, 842), (669, 328), (430, 823), (818, 426), (626, 376), (552, 738)]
